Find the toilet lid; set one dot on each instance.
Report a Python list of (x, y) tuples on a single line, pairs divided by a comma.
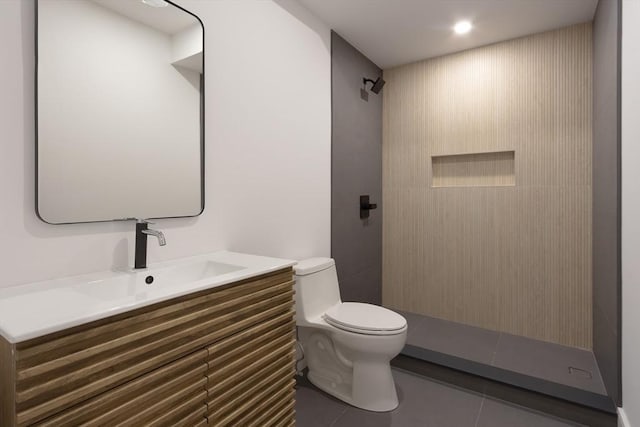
[(365, 318)]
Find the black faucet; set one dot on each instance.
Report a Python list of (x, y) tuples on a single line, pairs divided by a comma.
[(142, 231)]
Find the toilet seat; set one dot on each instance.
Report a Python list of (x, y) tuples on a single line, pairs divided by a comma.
[(365, 319)]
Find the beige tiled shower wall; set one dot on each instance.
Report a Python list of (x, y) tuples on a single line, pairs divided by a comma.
[(511, 258)]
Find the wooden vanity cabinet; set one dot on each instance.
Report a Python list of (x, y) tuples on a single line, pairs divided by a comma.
[(222, 357)]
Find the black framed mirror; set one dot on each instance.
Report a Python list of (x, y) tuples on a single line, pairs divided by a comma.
[(119, 110)]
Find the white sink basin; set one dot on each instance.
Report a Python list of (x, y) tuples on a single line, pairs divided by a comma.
[(36, 309), (139, 283), (196, 271)]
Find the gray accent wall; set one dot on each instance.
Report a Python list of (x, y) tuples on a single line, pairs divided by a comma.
[(356, 169), (606, 195)]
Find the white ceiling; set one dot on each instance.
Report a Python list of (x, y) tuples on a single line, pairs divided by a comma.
[(169, 20), (395, 32)]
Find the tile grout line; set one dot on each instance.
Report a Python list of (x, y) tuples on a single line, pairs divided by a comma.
[(333, 423), (480, 411)]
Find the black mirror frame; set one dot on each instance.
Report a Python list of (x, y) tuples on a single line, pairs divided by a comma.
[(202, 126)]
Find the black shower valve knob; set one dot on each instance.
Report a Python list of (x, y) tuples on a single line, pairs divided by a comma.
[(365, 206)]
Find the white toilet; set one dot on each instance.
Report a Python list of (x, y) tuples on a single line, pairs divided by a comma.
[(348, 345)]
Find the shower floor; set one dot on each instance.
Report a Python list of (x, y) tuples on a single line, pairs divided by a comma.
[(564, 372)]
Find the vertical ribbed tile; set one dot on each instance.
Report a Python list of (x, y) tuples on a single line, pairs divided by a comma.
[(513, 258)]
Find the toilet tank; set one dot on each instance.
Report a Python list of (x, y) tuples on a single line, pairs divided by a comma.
[(316, 287)]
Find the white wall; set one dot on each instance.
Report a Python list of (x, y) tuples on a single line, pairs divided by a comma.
[(267, 147), (631, 212), (186, 43)]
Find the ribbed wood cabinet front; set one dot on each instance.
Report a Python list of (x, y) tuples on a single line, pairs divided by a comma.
[(222, 357)]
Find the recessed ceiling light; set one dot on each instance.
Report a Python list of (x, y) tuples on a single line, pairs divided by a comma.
[(155, 3), (462, 27)]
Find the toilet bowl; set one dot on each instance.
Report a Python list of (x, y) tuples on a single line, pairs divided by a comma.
[(347, 346)]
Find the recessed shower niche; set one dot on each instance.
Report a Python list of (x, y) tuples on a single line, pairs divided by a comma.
[(492, 169)]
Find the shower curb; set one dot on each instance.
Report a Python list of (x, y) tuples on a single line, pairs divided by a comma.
[(561, 391)]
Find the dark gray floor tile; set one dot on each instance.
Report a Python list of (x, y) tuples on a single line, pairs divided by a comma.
[(423, 403), (549, 362), (315, 408), (499, 414), (541, 403), (454, 339)]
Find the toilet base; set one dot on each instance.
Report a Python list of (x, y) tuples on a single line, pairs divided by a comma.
[(372, 389), (354, 368)]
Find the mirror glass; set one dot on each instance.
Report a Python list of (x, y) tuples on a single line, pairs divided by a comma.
[(119, 93)]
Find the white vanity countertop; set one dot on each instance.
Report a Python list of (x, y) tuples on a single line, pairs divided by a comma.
[(36, 309)]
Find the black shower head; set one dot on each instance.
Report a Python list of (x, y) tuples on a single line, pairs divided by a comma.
[(377, 84)]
